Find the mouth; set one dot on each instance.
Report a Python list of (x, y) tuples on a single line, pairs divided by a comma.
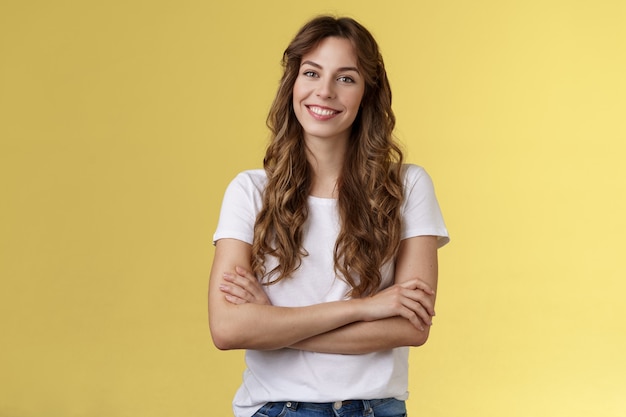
[(322, 113)]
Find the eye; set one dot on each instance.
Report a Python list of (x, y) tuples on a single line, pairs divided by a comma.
[(345, 79), (309, 73)]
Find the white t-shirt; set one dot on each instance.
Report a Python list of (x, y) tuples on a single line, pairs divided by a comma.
[(295, 375)]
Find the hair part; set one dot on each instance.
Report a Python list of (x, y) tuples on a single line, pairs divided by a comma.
[(370, 187)]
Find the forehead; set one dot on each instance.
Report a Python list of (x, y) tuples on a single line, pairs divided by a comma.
[(332, 51)]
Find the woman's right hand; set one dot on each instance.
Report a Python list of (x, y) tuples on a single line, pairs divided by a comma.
[(413, 300)]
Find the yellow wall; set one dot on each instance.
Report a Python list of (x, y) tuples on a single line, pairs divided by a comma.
[(121, 122)]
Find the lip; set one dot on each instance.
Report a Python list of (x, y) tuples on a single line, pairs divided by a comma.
[(322, 112)]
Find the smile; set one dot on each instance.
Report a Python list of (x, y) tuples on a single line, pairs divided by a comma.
[(322, 112)]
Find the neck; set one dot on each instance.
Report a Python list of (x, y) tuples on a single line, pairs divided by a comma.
[(326, 159)]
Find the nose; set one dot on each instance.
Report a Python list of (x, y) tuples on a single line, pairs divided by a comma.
[(326, 88)]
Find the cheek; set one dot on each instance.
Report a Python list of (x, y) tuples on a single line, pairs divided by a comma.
[(296, 98), (356, 100), (298, 91)]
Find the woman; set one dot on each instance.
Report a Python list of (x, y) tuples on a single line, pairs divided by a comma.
[(325, 266)]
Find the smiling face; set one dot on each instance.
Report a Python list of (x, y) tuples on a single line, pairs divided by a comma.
[(328, 90)]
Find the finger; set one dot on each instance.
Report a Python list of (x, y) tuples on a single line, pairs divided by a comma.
[(235, 291), (418, 320), (410, 284), (245, 279), (234, 300), (405, 302), (240, 281), (419, 296), (419, 310), (418, 284), (413, 318), (228, 290), (254, 293), (425, 287), (248, 283), (245, 273)]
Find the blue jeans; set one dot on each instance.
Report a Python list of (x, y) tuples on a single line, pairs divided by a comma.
[(388, 407)]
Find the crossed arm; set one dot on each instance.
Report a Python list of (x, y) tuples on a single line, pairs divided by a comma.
[(241, 316)]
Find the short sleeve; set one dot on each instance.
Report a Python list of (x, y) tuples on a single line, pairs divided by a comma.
[(421, 212), (242, 201)]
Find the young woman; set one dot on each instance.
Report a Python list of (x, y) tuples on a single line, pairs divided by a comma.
[(325, 264)]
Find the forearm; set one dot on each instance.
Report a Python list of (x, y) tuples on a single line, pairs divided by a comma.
[(261, 326), (243, 323), (366, 337), (264, 327), (417, 257)]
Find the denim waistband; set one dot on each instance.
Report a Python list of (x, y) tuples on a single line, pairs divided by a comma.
[(349, 407), (389, 407)]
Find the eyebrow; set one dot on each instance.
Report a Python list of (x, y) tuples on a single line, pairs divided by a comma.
[(342, 69)]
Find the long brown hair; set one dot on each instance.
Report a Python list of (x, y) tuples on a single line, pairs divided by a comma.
[(370, 187)]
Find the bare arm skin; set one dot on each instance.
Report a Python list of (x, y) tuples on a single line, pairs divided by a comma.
[(265, 327), (377, 329), (417, 257)]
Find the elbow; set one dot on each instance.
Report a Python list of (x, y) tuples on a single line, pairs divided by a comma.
[(419, 342), (223, 339), (232, 340), (419, 338), (227, 336), (226, 332), (221, 342)]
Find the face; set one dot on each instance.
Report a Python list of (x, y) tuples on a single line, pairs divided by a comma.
[(328, 91)]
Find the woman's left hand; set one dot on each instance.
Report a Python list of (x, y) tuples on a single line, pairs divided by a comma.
[(243, 287)]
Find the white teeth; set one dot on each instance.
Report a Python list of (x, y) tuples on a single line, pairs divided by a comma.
[(322, 112)]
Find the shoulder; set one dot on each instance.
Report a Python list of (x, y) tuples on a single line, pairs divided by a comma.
[(414, 174), (251, 181), (412, 170), (246, 189), (242, 201), (252, 177), (421, 212)]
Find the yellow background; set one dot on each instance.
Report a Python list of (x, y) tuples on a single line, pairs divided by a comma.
[(121, 122)]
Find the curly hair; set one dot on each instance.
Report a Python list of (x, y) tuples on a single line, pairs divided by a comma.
[(370, 188)]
